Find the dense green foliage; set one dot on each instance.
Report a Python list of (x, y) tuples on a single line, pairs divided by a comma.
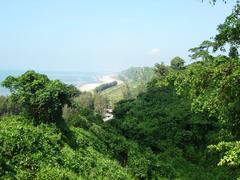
[(94, 151), (172, 113), (29, 152), (100, 103), (194, 108), (177, 63), (92, 101), (185, 125), (161, 70), (7, 107), (42, 99)]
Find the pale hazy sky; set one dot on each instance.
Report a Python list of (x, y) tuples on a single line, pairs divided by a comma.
[(102, 35)]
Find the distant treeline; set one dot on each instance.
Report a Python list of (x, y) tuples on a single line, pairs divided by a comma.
[(106, 86), (9, 108)]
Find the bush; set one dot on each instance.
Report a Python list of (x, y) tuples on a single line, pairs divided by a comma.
[(39, 152), (24, 146), (53, 173)]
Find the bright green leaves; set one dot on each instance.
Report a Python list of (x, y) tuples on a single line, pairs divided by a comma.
[(228, 36), (39, 152), (24, 146), (41, 98), (202, 51), (213, 87), (231, 156), (229, 31)]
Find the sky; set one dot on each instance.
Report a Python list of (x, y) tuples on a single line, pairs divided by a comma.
[(103, 35)]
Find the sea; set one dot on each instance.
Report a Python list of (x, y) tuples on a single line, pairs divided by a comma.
[(69, 77)]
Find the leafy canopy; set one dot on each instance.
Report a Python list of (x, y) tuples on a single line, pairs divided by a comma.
[(41, 98), (228, 36), (177, 63)]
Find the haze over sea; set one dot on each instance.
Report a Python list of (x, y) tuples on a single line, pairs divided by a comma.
[(68, 77)]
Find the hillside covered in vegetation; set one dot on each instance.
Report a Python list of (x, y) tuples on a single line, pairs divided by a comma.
[(184, 125), (137, 74)]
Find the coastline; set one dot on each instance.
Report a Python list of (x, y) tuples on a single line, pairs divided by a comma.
[(102, 80), (76, 79)]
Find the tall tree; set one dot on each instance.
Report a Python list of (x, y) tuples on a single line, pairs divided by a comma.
[(161, 70), (100, 103), (177, 63), (41, 98)]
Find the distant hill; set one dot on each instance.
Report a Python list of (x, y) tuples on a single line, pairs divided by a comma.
[(137, 74), (134, 82)]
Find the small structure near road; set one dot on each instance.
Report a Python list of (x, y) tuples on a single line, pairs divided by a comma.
[(108, 115)]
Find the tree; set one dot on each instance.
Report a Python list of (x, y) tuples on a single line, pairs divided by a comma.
[(126, 92), (7, 107), (3, 105), (228, 36), (161, 70), (214, 88), (100, 103), (214, 82), (233, 53), (229, 31), (85, 100), (42, 99), (177, 63)]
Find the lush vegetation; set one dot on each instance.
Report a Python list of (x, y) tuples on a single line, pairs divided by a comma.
[(193, 108), (184, 125), (92, 101), (126, 90), (134, 80), (42, 99), (9, 108)]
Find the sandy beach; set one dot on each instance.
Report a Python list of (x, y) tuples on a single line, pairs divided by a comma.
[(102, 80)]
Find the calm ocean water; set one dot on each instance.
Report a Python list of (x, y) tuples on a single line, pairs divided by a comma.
[(74, 78)]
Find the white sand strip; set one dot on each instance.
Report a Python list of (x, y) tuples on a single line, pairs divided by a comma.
[(102, 80)]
